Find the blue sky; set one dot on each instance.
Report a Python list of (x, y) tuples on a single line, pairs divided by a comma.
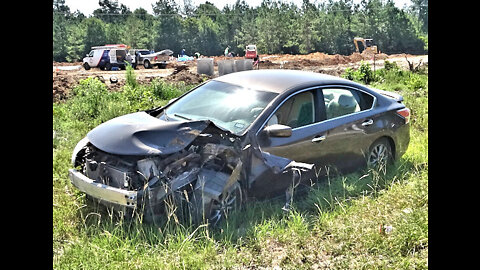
[(88, 6)]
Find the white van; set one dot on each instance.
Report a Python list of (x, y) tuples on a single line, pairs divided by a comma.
[(108, 56)]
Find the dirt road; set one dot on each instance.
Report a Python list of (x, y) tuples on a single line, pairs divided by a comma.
[(67, 75)]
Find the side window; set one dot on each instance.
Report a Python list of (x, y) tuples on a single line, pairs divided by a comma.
[(91, 53), (297, 111), (339, 102)]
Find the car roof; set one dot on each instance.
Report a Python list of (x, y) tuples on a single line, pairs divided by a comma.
[(278, 80)]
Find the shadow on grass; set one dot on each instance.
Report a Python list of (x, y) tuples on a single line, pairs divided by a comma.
[(329, 194), (322, 197)]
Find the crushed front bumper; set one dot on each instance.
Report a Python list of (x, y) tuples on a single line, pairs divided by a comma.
[(103, 192)]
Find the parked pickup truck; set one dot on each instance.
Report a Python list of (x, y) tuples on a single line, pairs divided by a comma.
[(149, 59)]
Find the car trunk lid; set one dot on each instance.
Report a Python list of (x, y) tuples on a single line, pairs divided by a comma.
[(397, 97)]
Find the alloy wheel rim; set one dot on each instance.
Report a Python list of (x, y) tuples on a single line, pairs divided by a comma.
[(222, 207), (378, 155)]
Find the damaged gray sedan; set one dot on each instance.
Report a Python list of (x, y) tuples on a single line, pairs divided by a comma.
[(256, 133)]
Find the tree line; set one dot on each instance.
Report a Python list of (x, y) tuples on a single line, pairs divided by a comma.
[(274, 26)]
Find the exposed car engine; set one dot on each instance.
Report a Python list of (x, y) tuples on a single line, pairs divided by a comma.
[(203, 166)]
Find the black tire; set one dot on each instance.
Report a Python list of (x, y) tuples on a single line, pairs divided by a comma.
[(214, 211), (108, 66), (86, 66), (147, 64), (379, 154)]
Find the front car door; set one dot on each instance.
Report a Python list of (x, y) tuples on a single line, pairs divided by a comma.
[(300, 111)]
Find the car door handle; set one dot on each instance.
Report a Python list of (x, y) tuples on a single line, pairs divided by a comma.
[(367, 123), (318, 138)]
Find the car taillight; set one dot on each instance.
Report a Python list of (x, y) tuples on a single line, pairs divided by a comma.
[(405, 113), (155, 58)]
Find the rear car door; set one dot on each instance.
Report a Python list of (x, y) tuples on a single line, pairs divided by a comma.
[(350, 127)]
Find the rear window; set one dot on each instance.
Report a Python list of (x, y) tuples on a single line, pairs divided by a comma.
[(340, 102)]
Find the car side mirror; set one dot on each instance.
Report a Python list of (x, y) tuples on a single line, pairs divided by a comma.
[(278, 130)]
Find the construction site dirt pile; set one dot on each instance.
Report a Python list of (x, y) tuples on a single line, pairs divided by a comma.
[(184, 75), (62, 86), (318, 58)]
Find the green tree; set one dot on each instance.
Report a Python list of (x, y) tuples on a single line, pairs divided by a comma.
[(208, 32), (335, 27), (274, 26), (307, 33), (60, 15), (95, 33), (138, 29), (111, 12), (239, 28), (420, 9), (75, 48), (168, 28)]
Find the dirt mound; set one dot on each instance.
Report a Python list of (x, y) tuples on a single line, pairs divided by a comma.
[(300, 64), (62, 85), (267, 64), (186, 76)]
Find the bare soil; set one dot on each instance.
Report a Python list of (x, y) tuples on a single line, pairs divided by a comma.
[(67, 75)]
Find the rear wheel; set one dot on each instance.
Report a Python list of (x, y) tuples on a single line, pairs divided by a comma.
[(380, 153)]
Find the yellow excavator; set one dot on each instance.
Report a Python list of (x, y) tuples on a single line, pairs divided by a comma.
[(364, 44)]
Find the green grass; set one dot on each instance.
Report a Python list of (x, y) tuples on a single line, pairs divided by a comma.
[(334, 225)]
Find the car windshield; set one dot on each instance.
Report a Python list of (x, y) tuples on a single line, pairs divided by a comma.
[(228, 106)]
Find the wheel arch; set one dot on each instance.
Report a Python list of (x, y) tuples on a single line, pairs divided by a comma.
[(391, 142)]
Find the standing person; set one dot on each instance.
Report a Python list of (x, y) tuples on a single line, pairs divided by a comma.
[(226, 51), (182, 53)]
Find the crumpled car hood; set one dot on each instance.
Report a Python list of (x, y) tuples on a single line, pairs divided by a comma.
[(142, 134)]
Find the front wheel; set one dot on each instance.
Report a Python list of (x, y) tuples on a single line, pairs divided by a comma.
[(214, 211), (147, 64), (86, 66)]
